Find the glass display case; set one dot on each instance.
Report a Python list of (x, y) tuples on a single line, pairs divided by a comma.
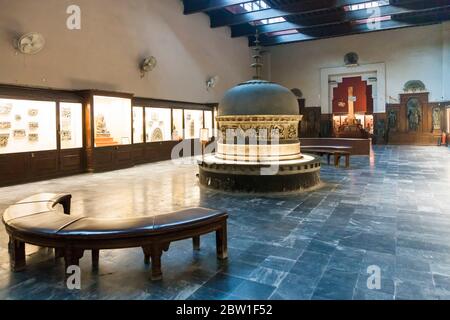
[(448, 119), (158, 124), (112, 121), (193, 122), (216, 124), (177, 130), (27, 126), (71, 125), (209, 122), (138, 125)]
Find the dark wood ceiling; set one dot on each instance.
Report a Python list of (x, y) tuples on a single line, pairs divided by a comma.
[(306, 20)]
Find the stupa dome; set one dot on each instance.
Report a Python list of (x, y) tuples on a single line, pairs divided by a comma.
[(258, 147), (258, 97)]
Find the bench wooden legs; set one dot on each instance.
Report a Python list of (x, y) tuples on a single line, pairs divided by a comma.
[(156, 263), (337, 160), (59, 253), (147, 254), (16, 250), (72, 256), (222, 242), (347, 161), (196, 242), (154, 252), (95, 258)]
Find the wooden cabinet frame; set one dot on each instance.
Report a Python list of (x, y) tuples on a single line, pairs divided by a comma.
[(26, 167), (105, 158), (31, 166), (159, 151)]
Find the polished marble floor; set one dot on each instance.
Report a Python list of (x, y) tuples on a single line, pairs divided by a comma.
[(391, 210)]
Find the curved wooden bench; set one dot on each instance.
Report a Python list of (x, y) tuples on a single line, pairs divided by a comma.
[(36, 220), (336, 151)]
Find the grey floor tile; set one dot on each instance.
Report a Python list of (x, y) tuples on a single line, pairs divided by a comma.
[(391, 212)]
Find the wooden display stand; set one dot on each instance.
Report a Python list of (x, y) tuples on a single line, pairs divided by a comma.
[(405, 125), (352, 96), (104, 140)]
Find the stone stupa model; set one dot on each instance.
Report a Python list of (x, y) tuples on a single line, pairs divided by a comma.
[(258, 149)]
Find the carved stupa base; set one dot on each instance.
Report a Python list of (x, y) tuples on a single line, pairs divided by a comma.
[(260, 177)]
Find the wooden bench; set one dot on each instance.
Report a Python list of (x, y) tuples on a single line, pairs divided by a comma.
[(36, 220), (337, 151)]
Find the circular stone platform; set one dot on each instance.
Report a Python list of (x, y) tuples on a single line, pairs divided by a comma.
[(252, 176)]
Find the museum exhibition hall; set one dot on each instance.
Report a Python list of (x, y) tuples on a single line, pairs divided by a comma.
[(225, 150)]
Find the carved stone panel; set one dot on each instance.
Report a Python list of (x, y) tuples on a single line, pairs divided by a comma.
[(414, 114)]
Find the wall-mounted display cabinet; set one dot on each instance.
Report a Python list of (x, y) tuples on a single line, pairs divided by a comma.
[(109, 136), (448, 119), (27, 125), (50, 133), (165, 124), (41, 134)]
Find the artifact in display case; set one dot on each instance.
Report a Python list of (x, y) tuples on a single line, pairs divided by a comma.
[(66, 124), (4, 138), (5, 109), (138, 124), (102, 135), (193, 123), (33, 112), (192, 128), (176, 134), (66, 113), (19, 134), (33, 137), (71, 120), (5, 125), (158, 128), (177, 130), (112, 121), (157, 135), (66, 135), (30, 125)]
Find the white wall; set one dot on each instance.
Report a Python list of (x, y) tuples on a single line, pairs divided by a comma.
[(409, 54), (115, 36)]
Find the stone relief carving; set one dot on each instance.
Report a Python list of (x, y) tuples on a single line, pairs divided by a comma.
[(292, 132), (261, 127), (392, 119), (4, 138), (414, 86), (437, 118), (414, 114)]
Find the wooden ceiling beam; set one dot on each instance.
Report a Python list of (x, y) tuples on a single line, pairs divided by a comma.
[(223, 18), (195, 6), (305, 22), (423, 17)]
